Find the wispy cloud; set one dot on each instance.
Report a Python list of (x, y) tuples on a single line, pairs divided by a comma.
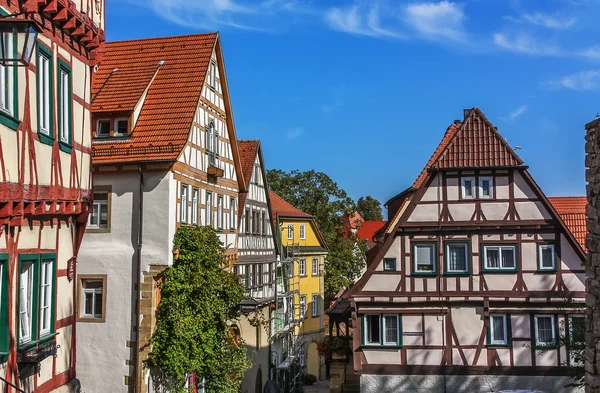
[(443, 19), (359, 20), (512, 116), (593, 52), (525, 44), (294, 132), (584, 80), (544, 20)]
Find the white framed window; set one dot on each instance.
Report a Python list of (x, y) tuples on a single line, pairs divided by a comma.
[(213, 74), (577, 330), (92, 291), (7, 81), (264, 226), (265, 273), (302, 306), (498, 329), (250, 276), (468, 187), (546, 257), (315, 305), (195, 196), (545, 333), (302, 267), (121, 126), (64, 118), (46, 288), (496, 257), (457, 257), (208, 203), (290, 231), (302, 231), (99, 216), (390, 330), (389, 264), (102, 128), (232, 214), (372, 328), (26, 301), (486, 186), (220, 212), (424, 257), (212, 144), (184, 204), (315, 266), (44, 74)]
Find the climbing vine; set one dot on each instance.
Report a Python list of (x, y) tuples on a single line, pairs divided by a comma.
[(192, 337)]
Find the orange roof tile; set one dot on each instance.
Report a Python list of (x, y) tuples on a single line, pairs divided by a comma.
[(166, 117), (450, 132), (281, 207), (368, 229), (248, 150), (572, 211)]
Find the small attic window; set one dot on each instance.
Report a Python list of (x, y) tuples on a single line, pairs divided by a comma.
[(213, 74), (121, 127), (103, 128)]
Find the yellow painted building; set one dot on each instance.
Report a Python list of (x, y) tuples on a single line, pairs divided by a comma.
[(300, 238)]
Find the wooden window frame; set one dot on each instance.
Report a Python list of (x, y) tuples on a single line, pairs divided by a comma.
[(213, 75), (9, 116), (536, 331), (381, 344), (463, 194), (434, 252), (232, 220), (466, 245), (541, 268), (4, 289), (195, 205), (489, 178), (382, 323), (302, 231), (302, 305), (499, 269), (571, 342), (80, 298), (314, 305), (65, 145), (506, 328), (314, 272), (116, 126), (183, 205), (99, 229), (302, 267), (46, 136), (290, 231), (393, 268), (97, 133), (220, 208), (208, 216)]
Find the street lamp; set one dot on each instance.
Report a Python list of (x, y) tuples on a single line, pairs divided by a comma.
[(17, 41)]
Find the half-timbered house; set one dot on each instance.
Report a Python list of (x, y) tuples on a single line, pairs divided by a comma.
[(45, 191), (478, 285), (256, 263), (164, 154)]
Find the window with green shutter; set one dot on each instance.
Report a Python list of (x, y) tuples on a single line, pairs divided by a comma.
[(3, 308)]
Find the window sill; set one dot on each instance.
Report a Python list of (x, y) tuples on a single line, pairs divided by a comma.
[(546, 271), (9, 121), (424, 274), (91, 319), (381, 346), (97, 230), (65, 147), (457, 274), (499, 345), (46, 139), (499, 271), (32, 344)]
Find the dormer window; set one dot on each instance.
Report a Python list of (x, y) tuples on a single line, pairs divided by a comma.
[(121, 127), (103, 128)]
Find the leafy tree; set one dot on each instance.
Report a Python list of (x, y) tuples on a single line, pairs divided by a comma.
[(317, 194), (198, 298), (369, 208)]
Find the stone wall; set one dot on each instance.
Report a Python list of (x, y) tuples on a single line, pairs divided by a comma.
[(592, 162)]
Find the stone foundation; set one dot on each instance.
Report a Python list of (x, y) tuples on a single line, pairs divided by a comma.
[(462, 384)]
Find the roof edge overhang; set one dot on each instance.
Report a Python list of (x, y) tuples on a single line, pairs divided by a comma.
[(400, 195), (473, 168)]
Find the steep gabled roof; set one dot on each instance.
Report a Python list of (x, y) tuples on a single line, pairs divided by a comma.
[(248, 151), (368, 229), (282, 208), (572, 211), (179, 66), (448, 136)]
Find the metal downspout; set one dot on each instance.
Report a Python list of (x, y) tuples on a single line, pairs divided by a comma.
[(137, 372)]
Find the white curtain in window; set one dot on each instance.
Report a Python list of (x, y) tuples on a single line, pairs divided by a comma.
[(498, 329), (508, 257), (25, 302), (545, 330), (492, 257), (457, 257), (391, 329)]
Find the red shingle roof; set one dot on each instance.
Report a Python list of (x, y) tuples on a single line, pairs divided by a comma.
[(248, 150), (368, 229), (166, 117), (280, 207), (572, 211), (450, 132)]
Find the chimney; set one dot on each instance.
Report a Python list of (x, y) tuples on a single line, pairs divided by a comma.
[(466, 113)]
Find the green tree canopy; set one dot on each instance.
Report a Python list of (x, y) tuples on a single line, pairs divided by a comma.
[(198, 298), (369, 208), (317, 194)]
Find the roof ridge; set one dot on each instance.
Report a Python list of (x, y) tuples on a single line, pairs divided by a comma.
[(137, 40)]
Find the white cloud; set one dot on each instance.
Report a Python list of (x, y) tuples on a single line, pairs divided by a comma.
[(437, 20), (584, 80), (294, 132), (512, 116), (549, 21), (358, 20), (525, 44), (593, 52)]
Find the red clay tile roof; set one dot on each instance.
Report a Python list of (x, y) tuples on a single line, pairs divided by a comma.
[(248, 150), (572, 211), (280, 207), (450, 132), (166, 117), (368, 229)]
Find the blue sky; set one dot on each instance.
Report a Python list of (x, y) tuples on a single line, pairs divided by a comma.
[(364, 90)]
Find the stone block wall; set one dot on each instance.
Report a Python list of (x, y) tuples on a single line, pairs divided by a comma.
[(592, 335)]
